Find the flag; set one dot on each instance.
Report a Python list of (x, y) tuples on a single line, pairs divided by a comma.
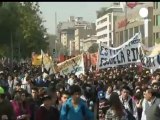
[(47, 63), (36, 59), (94, 57), (155, 51)]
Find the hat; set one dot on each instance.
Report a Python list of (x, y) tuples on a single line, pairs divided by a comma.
[(1, 90)]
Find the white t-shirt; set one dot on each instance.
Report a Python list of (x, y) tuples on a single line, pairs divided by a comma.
[(70, 81), (143, 112)]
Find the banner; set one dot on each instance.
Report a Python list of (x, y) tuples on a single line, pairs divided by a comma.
[(110, 52), (74, 65), (151, 62), (129, 52)]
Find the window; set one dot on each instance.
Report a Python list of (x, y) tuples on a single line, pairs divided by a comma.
[(158, 20), (155, 5), (110, 36), (110, 17), (105, 35), (101, 29), (110, 27), (142, 30), (157, 35), (154, 19), (154, 36), (126, 35), (117, 39), (130, 33), (158, 4), (102, 36), (136, 30), (121, 37)]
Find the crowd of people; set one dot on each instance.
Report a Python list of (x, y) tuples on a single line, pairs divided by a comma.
[(120, 93)]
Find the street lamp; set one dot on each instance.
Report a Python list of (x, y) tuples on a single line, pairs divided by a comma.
[(144, 14)]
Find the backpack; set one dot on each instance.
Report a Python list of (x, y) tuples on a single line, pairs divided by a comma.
[(129, 114), (82, 110)]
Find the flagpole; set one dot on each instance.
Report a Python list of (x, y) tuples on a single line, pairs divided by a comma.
[(42, 63)]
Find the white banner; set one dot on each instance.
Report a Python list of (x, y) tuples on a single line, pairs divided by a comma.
[(151, 62), (110, 52), (129, 52), (74, 65)]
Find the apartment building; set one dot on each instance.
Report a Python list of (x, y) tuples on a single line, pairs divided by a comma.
[(74, 30), (127, 26), (105, 24), (85, 44), (82, 33)]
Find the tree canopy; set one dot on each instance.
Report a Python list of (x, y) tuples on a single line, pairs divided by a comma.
[(101, 12), (21, 23), (93, 48)]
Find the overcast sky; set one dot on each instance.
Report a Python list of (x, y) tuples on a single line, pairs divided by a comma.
[(87, 10)]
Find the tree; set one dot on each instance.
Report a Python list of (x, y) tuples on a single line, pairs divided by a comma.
[(93, 48), (1, 3), (32, 27), (23, 23)]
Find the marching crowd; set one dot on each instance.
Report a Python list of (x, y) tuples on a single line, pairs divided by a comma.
[(121, 93)]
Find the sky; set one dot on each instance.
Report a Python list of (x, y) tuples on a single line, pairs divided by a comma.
[(87, 10)]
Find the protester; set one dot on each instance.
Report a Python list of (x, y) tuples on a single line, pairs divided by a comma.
[(91, 84), (103, 105), (116, 110), (63, 98), (34, 103), (46, 111), (109, 91), (128, 103), (75, 108), (151, 105), (6, 109), (21, 106)]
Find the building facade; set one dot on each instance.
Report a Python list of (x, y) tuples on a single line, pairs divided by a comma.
[(82, 33), (85, 44), (128, 25), (74, 30), (105, 24)]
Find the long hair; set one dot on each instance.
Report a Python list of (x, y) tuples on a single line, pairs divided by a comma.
[(116, 104)]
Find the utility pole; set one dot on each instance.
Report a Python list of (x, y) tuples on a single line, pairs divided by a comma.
[(55, 23)]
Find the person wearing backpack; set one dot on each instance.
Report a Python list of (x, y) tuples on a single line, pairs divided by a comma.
[(128, 103), (75, 108)]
